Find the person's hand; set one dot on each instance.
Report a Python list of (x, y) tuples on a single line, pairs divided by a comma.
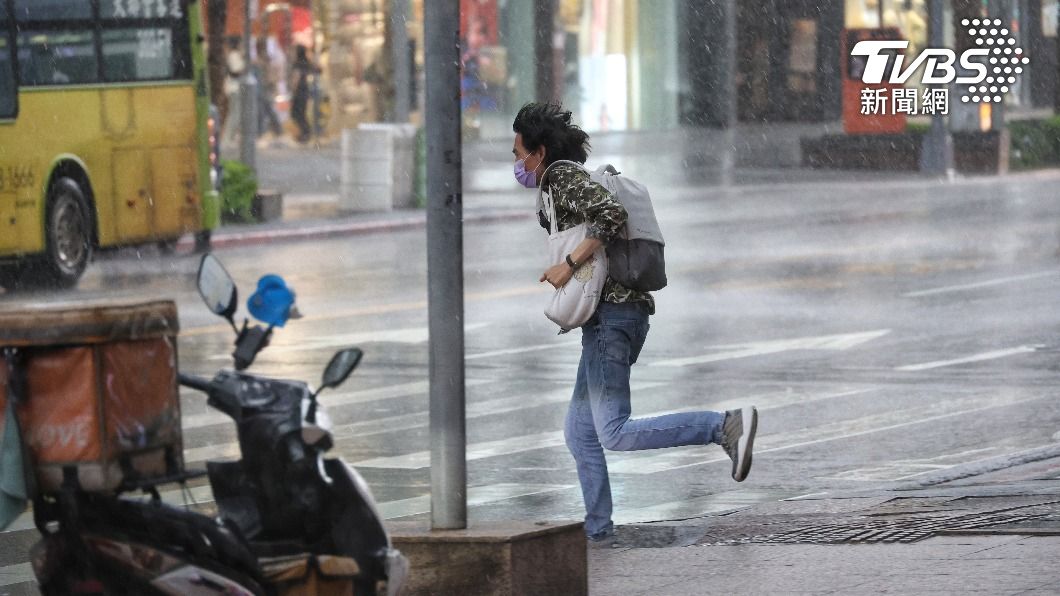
[(558, 275)]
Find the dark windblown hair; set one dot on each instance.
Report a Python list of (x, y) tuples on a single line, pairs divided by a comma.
[(549, 125)]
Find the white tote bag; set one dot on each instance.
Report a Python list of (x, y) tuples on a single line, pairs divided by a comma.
[(573, 304)]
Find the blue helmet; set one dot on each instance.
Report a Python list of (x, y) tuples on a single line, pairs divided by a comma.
[(272, 302)]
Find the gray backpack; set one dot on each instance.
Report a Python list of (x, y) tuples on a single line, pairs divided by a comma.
[(635, 257)]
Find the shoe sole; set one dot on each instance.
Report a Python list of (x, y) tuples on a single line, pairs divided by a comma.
[(749, 419)]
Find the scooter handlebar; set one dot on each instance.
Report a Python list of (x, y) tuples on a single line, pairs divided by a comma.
[(194, 382)]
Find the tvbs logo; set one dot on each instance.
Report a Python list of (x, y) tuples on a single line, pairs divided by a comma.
[(993, 66)]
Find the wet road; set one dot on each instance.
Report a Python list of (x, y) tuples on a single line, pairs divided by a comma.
[(886, 332)]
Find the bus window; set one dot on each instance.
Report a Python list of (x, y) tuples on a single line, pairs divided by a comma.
[(51, 10), (52, 57), (8, 89), (138, 54)]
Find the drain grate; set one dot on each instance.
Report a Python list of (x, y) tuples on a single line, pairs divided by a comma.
[(886, 524), (910, 529)]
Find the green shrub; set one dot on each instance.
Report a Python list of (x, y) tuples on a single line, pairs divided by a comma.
[(1052, 129), (238, 187), (1034, 143), (917, 128)]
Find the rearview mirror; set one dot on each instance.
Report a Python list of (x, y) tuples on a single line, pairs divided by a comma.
[(340, 367), (216, 287)]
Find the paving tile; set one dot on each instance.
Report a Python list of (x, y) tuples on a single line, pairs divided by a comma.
[(632, 584)]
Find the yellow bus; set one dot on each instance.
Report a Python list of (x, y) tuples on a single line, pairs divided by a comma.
[(103, 132)]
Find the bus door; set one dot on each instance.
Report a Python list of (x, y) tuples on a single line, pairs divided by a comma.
[(150, 122), (156, 191), (9, 237)]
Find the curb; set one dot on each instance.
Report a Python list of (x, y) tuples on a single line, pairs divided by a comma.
[(318, 230)]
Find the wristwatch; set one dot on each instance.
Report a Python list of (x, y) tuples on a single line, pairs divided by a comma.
[(571, 263)]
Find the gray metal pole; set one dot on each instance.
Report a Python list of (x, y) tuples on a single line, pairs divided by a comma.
[(728, 153), (248, 89), (445, 268), (1000, 9), (399, 10), (937, 153)]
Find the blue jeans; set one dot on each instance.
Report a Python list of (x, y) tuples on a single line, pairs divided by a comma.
[(599, 411)]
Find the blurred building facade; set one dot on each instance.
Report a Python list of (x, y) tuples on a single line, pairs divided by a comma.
[(631, 64)]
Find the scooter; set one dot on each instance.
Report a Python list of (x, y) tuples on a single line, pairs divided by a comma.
[(289, 520)]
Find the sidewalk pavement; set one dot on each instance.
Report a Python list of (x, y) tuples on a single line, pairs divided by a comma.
[(963, 538)]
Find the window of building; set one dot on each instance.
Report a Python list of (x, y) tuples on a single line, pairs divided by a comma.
[(802, 60), (1049, 16)]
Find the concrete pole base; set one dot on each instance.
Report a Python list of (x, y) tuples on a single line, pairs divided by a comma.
[(496, 559)]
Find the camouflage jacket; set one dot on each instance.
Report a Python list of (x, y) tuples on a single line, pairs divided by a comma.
[(580, 200)]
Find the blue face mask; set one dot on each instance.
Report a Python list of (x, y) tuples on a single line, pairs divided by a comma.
[(526, 178)]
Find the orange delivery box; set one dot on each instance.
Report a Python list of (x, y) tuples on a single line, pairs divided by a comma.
[(99, 404)]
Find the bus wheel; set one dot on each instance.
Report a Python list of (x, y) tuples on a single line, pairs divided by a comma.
[(168, 246), (67, 233)]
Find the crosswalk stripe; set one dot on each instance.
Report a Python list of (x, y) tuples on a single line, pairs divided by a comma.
[(295, 345), (408, 421), (502, 405), (203, 494), (379, 309), (16, 574), (981, 284), (519, 444), (844, 429), (475, 451), (523, 350), (477, 495), (969, 359), (337, 399)]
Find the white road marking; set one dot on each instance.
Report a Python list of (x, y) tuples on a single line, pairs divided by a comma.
[(333, 400), (969, 359), (732, 352), (286, 345), (523, 443), (479, 409), (475, 451), (846, 429), (16, 574), (411, 421), (907, 468), (982, 284), (552, 346), (477, 495)]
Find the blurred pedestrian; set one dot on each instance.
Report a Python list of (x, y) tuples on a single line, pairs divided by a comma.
[(235, 64), (599, 412), (266, 91), (301, 70)]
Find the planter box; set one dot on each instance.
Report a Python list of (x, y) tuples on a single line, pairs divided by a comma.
[(973, 152), (267, 206)]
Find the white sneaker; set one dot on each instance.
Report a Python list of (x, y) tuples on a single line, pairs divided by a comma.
[(738, 438)]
